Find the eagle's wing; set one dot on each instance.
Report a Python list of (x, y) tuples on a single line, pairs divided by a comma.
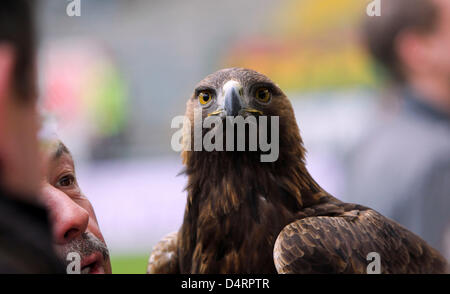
[(341, 245), (164, 257)]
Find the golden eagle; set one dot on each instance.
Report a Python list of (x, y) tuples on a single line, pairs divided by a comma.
[(244, 215)]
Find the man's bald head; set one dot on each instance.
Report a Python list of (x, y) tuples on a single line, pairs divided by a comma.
[(59, 149)]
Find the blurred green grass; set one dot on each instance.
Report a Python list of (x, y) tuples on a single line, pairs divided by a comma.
[(129, 264)]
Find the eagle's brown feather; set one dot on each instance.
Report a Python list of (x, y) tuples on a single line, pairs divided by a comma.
[(237, 206), (164, 257), (341, 244)]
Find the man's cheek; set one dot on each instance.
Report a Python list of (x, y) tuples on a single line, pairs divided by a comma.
[(93, 226), (95, 230), (86, 204)]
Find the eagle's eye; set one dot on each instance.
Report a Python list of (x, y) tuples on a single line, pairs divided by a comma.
[(263, 95), (204, 97)]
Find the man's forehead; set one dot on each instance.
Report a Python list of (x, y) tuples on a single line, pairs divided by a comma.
[(56, 149)]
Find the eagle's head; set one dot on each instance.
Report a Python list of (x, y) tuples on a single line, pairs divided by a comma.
[(238, 92), (224, 180)]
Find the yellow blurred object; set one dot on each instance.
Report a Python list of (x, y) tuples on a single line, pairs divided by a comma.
[(315, 47)]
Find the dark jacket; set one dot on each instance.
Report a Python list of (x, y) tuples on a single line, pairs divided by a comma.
[(25, 238)]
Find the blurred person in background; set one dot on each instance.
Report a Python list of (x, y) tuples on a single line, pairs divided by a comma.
[(25, 233), (75, 226), (402, 168)]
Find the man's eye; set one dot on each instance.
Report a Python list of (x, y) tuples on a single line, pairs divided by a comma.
[(66, 181)]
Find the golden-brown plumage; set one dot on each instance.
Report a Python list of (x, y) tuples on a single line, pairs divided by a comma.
[(341, 244), (164, 257), (247, 216)]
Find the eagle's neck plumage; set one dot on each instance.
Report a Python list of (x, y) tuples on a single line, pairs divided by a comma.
[(232, 195)]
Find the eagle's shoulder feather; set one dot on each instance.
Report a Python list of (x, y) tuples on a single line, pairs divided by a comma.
[(164, 257), (340, 244)]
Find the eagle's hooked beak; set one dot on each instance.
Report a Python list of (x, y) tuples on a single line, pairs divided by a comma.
[(232, 98), (232, 103)]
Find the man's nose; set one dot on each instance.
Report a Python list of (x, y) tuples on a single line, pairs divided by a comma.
[(69, 220)]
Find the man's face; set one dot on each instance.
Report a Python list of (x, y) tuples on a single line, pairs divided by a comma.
[(439, 40), (75, 227), (19, 158)]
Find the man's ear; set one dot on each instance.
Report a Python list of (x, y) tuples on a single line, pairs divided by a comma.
[(6, 72)]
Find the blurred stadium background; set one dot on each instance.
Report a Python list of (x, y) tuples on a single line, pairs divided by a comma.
[(113, 78)]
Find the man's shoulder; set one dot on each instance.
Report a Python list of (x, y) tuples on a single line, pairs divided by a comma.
[(407, 136), (18, 214), (399, 153)]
